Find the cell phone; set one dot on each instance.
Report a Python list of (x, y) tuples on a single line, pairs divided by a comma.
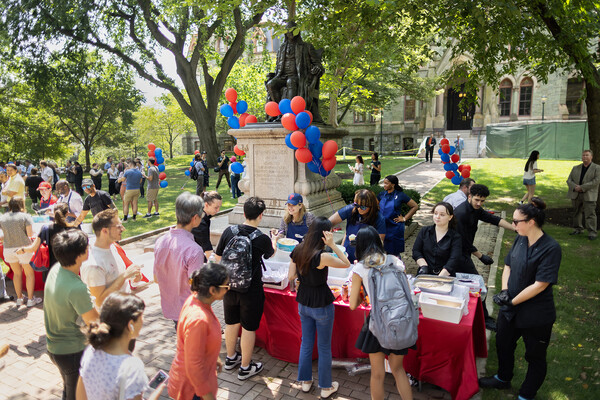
[(160, 377)]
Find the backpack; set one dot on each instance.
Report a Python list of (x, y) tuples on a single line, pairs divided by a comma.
[(394, 317), (194, 172), (237, 257)]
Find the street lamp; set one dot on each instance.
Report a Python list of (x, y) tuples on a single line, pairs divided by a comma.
[(544, 98)]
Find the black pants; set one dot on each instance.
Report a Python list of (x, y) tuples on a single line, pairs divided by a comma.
[(536, 341), (142, 192), (221, 173), (429, 153), (375, 179), (68, 365)]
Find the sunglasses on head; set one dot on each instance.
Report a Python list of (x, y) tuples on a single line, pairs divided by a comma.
[(361, 206)]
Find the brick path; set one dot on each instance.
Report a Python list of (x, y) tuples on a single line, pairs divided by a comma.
[(29, 373)]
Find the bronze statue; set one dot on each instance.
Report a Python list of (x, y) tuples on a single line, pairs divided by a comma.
[(297, 73)]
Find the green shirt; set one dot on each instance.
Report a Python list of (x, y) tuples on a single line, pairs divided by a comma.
[(66, 298)]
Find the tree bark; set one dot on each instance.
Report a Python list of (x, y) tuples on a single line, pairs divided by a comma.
[(592, 102)]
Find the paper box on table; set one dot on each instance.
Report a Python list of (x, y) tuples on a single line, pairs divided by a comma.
[(441, 307)]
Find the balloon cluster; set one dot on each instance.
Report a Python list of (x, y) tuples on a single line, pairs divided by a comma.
[(192, 163), (454, 172), (305, 138), (240, 107), (156, 152)]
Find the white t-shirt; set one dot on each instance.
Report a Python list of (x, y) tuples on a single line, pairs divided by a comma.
[(103, 267), (47, 174), (105, 375), (529, 174), (363, 271)]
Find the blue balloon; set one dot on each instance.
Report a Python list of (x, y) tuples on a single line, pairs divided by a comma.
[(285, 106), (453, 166), (233, 122), (289, 142), (187, 172), (192, 163), (316, 149), (226, 110), (440, 152), (313, 167), (161, 168), (302, 120), (160, 159), (164, 184), (241, 107), (237, 168), (452, 150), (324, 173), (157, 151), (313, 133), (447, 167), (445, 157), (456, 180)]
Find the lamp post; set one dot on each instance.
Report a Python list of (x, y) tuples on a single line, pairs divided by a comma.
[(381, 131), (544, 98)]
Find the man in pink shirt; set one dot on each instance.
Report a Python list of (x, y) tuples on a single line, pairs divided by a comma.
[(177, 255)]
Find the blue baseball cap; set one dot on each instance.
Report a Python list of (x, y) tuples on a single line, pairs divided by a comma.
[(294, 199)]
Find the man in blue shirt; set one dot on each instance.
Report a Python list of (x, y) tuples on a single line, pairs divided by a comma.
[(133, 180)]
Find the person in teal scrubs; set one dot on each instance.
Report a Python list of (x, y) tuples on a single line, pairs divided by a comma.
[(390, 207)]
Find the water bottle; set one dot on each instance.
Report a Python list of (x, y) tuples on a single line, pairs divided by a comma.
[(212, 258)]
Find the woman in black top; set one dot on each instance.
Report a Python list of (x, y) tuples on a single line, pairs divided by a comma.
[(527, 304), (438, 248), (33, 182), (375, 168), (315, 301)]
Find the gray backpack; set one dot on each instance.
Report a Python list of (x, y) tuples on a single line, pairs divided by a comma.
[(394, 318)]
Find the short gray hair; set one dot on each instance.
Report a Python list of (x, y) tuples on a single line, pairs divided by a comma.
[(186, 206)]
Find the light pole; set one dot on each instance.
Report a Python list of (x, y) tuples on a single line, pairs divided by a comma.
[(544, 98), (381, 132)]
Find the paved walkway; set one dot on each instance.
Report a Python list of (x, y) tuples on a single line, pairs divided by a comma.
[(29, 373)]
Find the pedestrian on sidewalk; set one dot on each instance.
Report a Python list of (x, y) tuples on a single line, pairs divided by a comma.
[(429, 146), (193, 374), (526, 302), (212, 205), (459, 144)]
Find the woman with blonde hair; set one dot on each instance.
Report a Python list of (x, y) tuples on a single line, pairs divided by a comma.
[(296, 220)]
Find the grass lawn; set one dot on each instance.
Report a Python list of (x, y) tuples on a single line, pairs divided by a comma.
[(575, 345), (390, 165)]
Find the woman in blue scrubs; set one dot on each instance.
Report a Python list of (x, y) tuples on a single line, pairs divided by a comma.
[(363, 212), (296, 220), (390, 205)]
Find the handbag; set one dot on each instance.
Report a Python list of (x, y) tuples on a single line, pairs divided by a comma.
[(40, 261), (216, 169)]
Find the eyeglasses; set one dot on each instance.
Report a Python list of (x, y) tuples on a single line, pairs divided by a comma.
[(516, 221), (228, 286), (117, 226), (361, 206)]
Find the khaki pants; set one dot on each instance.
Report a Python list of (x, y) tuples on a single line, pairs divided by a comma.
[(589, 209)]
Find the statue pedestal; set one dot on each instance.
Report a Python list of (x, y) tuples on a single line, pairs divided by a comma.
[(273, 173)]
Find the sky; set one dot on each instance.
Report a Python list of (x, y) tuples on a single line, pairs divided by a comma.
[(149, 90)]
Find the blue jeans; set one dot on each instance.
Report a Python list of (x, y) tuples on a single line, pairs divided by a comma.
[(319, 321), (235, 190)]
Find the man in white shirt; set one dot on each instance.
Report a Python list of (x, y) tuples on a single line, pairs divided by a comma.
[(460, 196), (70, 198), (105, 272), (46, 172)]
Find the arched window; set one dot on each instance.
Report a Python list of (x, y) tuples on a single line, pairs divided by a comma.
[(505, 97), (525, 96), (574, 95)]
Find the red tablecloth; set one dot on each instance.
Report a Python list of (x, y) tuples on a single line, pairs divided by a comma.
[(445, 353), (39, 277)]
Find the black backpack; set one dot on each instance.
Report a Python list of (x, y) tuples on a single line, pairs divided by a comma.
[(194, 172), (237, 257)]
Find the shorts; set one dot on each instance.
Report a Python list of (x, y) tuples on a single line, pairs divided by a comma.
[(11, 256), (529, 181), (245, 308), (368, 343), (151, 195), (130, 195)]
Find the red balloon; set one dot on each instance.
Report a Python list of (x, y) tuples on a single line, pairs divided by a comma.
[(460, 168), (330, 147), (150, 154), (197, 151), (238, 151), (272, 109), (243, 119), (231, 95), (467, 166), (233, 105), (298, 105), (151, 146), (455, 157), (303, 155), (466, 173), (298, 139), (251, 119), (444, 162), (446, 148), (289, 122), (310, 114), (162, 176), (329, 163), (444, 141), (450, 174), (190, 168)]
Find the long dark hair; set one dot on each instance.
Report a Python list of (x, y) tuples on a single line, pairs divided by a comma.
[(393, 179), (360, 159), (369, 248), (365, 197), (311, 245), (532, 158)]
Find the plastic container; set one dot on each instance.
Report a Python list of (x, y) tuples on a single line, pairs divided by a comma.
[(287, 244), (276, 274), (441, 307)]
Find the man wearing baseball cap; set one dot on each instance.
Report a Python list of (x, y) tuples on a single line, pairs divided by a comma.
[(48, 198), (96, 201)]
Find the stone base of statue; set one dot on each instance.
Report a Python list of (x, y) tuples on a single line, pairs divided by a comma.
[(273, 173)]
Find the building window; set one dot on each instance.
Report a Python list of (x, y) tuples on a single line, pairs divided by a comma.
[(409, 109), (505, 97), (408, 143), (574, 92), (525, 96), (358, 144), (360, 118), (371, 144)]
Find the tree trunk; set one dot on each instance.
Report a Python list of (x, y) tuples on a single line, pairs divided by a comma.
[(592, 102), (333, 109)]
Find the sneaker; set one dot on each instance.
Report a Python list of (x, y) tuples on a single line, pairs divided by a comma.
[(147, 215), (125, 218), (492, 382), (325, 393), (306, 385), (576, 232), (253, 369), (156, 214), (20, 301), (34, 301), (231, 363)]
